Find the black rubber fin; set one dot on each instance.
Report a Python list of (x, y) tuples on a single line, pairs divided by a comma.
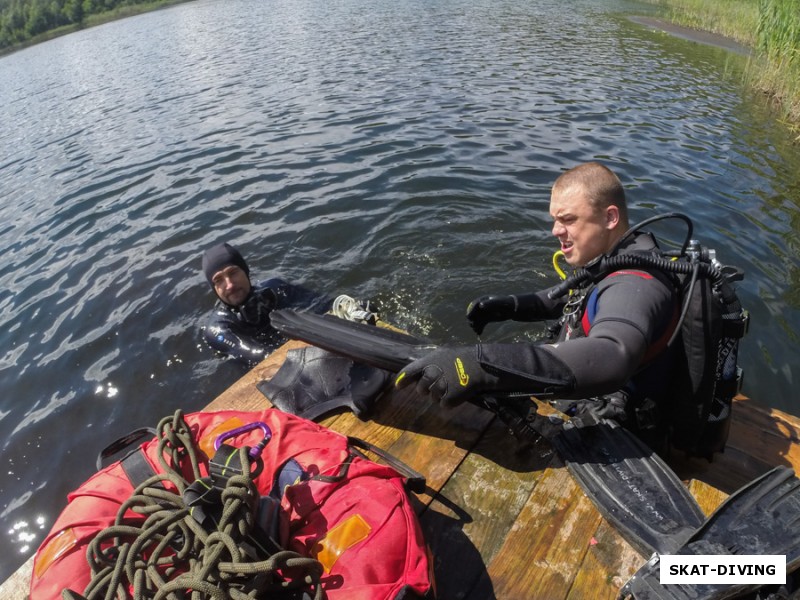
[(762, 518), (631, 486), (313, 382), (367, 344)]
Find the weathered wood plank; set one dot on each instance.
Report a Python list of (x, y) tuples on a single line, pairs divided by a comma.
[(469, 519), (508, 524), (760, 439), (608, 564), (457, 563), (542, 554), (768, 435), (708, 497), (17, 586)]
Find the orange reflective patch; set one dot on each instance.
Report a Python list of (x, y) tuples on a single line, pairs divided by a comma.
[(60, 544), (206, 443), (345, 535)]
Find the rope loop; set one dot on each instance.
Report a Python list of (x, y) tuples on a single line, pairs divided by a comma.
[(164, 553)]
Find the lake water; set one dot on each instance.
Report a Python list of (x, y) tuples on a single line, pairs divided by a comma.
[(397, 150)]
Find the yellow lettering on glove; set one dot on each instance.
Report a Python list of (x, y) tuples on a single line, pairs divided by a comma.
[(463, 377)]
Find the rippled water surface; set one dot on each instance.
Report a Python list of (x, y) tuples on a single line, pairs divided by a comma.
[(401, 151)]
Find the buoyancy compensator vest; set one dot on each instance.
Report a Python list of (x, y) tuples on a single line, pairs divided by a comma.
[(706, 375)]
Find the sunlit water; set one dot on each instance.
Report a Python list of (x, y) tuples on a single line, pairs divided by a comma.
[(400, 151)]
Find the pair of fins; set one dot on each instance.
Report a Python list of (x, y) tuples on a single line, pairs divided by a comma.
[(631, 486)]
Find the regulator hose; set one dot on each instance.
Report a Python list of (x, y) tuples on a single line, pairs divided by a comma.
[(695, 266), (609, 264)]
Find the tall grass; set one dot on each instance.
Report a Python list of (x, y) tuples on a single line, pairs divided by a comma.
[(770, 27), (778, 41), (736, 19)]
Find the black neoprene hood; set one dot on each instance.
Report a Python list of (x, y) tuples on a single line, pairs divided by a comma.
[(221, 256)]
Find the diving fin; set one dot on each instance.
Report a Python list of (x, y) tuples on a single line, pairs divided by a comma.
[(313, 382), (761, 518), (631, 486), (368, 344)]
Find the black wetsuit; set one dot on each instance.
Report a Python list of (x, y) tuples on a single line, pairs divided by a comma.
[(613, 336), (244, 333)]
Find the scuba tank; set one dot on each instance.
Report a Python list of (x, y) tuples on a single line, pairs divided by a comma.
[(706, 375), (713, 311)]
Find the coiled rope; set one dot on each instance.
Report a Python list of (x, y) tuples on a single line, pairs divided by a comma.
[(170, 556)]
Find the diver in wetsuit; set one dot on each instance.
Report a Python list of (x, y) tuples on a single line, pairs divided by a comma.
[(239, 325), (611, 347)]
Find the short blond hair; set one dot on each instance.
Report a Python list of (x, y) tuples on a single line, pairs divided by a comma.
[(599, 182)]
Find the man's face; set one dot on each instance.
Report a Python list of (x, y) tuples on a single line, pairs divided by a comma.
[(231, 285), (584, 232)]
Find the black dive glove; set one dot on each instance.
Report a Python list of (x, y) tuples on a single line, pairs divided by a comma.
[(489, 309), (519, 307), (454, 375), (449, 375), (611, 406)]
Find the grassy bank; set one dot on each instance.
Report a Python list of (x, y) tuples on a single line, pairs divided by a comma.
[(90, 20), (770, 27)]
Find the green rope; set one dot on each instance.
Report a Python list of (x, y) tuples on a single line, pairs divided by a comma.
[(170, 556)]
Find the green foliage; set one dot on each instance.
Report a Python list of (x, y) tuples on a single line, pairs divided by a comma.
[(735, 19), (778, 31), (778, 41), (22, 21)]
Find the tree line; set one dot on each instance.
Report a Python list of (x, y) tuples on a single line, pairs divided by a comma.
[(23, 20)]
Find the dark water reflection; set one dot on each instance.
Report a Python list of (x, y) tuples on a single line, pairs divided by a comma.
[(402, 153)]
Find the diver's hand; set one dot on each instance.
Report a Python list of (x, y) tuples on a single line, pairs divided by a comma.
[(449, 375), (488, 309), (605, 407)]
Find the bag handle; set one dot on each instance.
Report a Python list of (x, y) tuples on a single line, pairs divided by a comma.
[(415, 481), (123, 443)]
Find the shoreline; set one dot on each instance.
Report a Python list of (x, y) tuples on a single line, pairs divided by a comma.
[(763, 75), (687, 33), (693, 35), (91, 21)]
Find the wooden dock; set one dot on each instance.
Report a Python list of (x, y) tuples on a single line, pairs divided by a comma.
[(510, 525)]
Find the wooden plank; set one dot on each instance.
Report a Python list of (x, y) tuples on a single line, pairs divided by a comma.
[(609, 562), (760, 439), (508, 524), (422, 435), (768, 435), (469, 519), (543, 552), (708, 497), (437, 441), (17, 586)]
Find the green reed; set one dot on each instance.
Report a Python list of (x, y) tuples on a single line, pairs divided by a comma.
[(778, 42), (736, 19)]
